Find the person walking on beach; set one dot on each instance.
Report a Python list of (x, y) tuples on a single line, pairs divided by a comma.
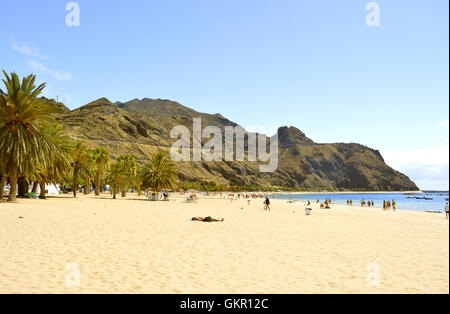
[(446, 211), (394, 206), (351, 202), (267, 204), (384, 205)]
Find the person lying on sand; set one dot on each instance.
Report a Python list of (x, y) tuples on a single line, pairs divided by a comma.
[(207, 219)]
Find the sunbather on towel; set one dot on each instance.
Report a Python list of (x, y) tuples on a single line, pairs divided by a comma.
[(207, 219)]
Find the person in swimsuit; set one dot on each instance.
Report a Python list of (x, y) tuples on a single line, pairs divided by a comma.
[(267, 204), (446, 211)]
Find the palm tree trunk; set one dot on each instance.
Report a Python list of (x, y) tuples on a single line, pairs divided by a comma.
[(114, 193), (35, 186), (13, 187), (97, 183), (42, 188), (87, 188), (2, 186), (75, 181), (23, 187)]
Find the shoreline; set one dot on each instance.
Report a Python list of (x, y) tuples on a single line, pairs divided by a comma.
[(353, 192), (177, 194)]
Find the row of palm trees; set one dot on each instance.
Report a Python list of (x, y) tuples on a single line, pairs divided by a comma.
[(33, 148)]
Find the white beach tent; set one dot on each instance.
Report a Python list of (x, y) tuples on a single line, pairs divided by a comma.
[(50, 189), (153, 196)]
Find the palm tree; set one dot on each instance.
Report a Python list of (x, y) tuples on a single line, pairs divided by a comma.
[(22, 146), (87, 185), (88, 175), (159, 172), (114, 178), (23, 186), (3, 181), (82, 164), (129, 168), (60, 166), (2, 184), (102, 162), (137, 182)]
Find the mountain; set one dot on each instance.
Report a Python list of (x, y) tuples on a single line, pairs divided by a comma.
[(140, 127)]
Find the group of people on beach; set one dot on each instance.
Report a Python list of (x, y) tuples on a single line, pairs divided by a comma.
[(387, 205), (243, 195), (368, 203), (364, 203), (325, 205)]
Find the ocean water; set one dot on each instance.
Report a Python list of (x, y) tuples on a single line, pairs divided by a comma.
[(402, 200)]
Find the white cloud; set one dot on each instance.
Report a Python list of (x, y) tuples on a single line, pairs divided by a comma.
[(27, 50), (427, 167), (59, 75)]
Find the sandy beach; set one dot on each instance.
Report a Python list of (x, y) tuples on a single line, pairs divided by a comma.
[(136, 246)]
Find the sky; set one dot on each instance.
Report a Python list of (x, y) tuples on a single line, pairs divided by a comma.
[(313, 64)]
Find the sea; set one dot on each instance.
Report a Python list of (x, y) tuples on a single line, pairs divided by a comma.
[(403, 201)]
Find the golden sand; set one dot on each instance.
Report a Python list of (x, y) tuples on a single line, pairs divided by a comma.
[(136, 246)]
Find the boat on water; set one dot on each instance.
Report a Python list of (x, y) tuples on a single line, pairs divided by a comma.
[(424, 198)]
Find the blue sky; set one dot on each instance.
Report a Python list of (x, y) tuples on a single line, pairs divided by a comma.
[(313, 64)]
